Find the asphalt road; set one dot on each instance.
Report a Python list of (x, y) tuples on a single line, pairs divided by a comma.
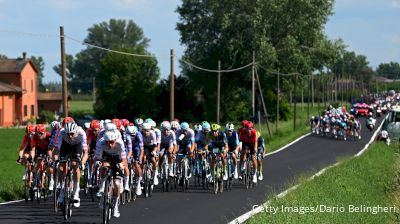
[(308, 155)]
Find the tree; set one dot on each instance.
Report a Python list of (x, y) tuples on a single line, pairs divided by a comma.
[(389, 70), (2, 56), (230, 31), (40, 65)]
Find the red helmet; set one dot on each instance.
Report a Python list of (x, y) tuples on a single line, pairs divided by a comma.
[(67, 120), (30, 129), (40, 128), (95, 124), (249, 124), (244, 122), (117, 123), (125, 122)]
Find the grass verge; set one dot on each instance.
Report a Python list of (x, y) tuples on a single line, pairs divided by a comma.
[(370, 180), (11, 185), (82, 106)]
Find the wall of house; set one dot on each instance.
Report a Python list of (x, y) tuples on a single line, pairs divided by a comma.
[(7, 110), (28, 101), (49, 105)]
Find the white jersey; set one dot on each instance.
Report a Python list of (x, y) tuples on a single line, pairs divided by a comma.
[(150, 139), (169, 138), (102, 147), (158, 135), (78, 137)]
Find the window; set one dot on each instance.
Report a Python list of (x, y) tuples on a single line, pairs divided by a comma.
[(32, 110), (25, 110), (25, 84), (32, 87)]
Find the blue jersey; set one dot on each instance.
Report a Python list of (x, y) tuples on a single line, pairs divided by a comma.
[(233, 140)]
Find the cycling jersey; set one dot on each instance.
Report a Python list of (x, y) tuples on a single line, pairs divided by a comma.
[(216, 142), (249, 138), (41, 145), (26, 143), (168, 139), (149, 139), (91, 139), (103, 148), (53, 135), (188, 138), (158, 135), (233, 140), (200, 139)]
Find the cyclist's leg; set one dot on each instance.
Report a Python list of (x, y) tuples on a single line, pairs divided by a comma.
[(260, 153)]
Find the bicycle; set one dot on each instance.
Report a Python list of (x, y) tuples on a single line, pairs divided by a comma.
[(28, 192), (56, 192), (248, 171), (132, 180), (148, 178), (107, 198), (230, 170), (200, 170), (39, 182), (67, 201), (218, 172), (164, 174), (184, 171)]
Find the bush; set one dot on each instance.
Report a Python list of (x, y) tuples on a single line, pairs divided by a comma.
[(45, 116)]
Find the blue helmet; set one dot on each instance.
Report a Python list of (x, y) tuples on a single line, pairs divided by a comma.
[(206, 126), (184, 126)]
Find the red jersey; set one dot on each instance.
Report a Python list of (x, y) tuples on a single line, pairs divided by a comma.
[(90, 136), (41, 143), (26, 142), (245, 137)]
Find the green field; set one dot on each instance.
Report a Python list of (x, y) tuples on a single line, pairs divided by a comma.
[(11, 185), (81, 106), (369, 180)]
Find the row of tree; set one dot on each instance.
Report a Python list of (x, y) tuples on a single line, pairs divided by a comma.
[(286, 36)]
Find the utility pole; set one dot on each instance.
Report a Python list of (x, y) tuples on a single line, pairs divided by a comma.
[(94, 90), (64, 73), (312, 90), (218, 89), (172, 87), (295, 102), (277, 104), (253, 99)]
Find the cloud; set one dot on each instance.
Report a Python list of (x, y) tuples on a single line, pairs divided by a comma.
[(396, 3)]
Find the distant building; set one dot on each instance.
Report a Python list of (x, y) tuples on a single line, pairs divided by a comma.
[(51, 101), (18, 91)]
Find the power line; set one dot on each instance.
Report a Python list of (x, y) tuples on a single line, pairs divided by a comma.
[(216, 71)]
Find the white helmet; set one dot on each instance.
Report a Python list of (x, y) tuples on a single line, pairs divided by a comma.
[(146, 126), (106, 121), (110, 136), (198, 127), (230, 127), (70, 127), (110, 127), (175, 124), (153, 124), (166, 125), (138, 121), (131, 130), (55, 124), (87, 125)]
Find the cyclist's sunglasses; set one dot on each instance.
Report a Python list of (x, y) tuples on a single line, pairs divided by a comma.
[(95, 130), (71, 134), (40, 133), (110, 142)]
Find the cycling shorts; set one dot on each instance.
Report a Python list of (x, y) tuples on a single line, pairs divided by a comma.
[(40, 153), (148, 149), (249, 146), (113, 160)]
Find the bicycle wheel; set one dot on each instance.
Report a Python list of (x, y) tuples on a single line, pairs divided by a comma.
[(26, 184), (55, 192), (106, 201), (66, 203), (86, 179)]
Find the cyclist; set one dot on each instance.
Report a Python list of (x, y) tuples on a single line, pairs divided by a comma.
[(248, 138), (40, 147), (71, 142), (233, 145), (200, 141), (135, 143), (91, 138), (121, 129), (185, 140), (260, 154), (25, 154), (216, 139), (110, 150), (150, 148), (168, 142), (139, 123)]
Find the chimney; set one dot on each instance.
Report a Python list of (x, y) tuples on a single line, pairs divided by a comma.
[(24, 55)]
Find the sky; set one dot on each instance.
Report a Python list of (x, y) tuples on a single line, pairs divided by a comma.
[(368, 27)]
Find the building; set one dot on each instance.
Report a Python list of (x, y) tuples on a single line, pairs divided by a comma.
[(18, 91), (51, 101)]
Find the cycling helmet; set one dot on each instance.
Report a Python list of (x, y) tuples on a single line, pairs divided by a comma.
[(125, 122), (107, 121), (148, 120), (117, 122), (244, 123), (95, 124), (55, 125), (132, 130), (248, 124), (197, 127), (184, 126), (215, 127), (146, 126), (30, 129), (175, 124), (138, 121), (70, 127), (110, 136), (206, 126), (110, 127), (87, 125), (40, 128), (312, 117), (166, 125), (230, 127), (67, 120)]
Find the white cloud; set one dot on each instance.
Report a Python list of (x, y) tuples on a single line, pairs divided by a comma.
[(396, 3)]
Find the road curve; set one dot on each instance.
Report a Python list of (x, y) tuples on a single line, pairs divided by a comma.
[(308, 155)]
